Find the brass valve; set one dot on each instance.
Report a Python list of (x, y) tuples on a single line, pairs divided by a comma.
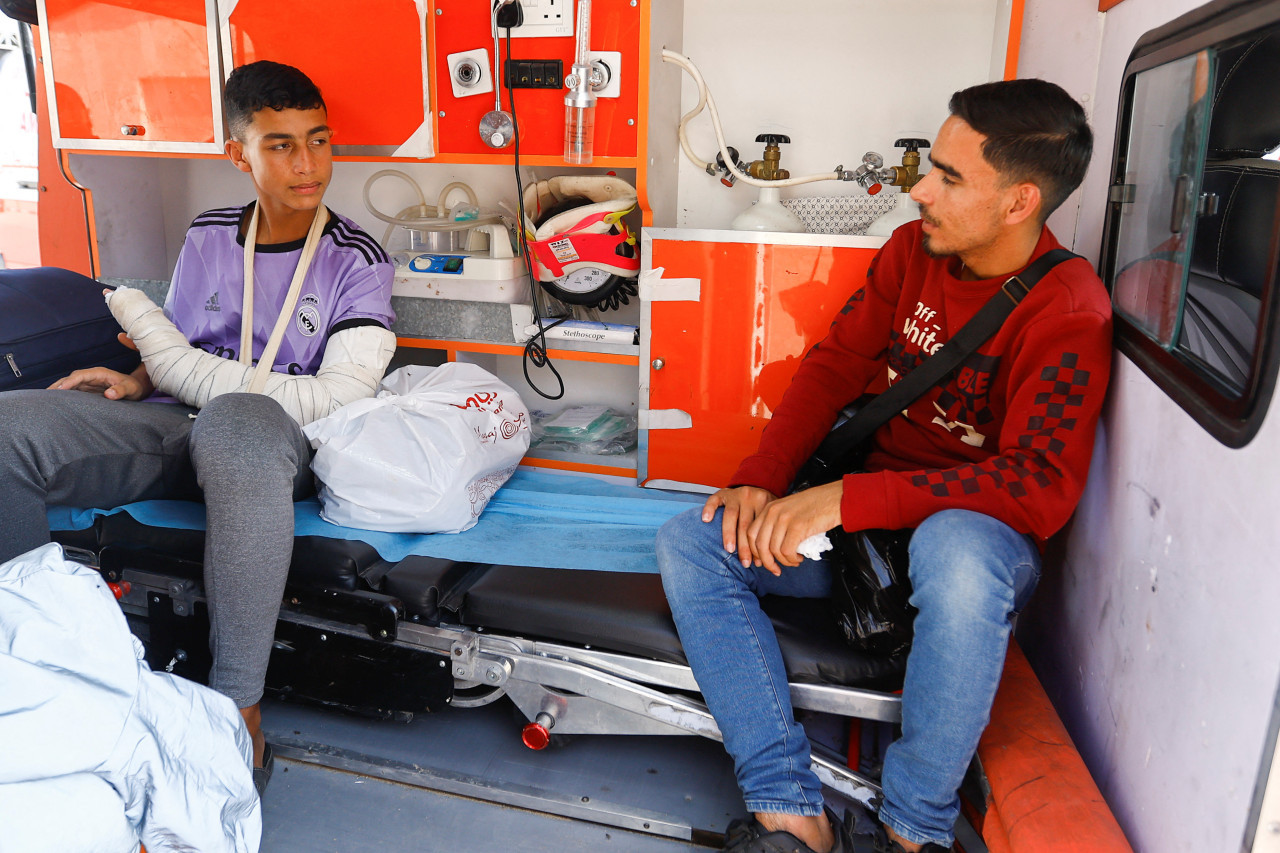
[(768, 169), (907, 175)]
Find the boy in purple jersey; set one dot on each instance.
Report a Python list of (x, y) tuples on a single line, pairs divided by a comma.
[(243, 453)]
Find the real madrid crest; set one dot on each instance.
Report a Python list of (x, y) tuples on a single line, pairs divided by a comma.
[(308, 315)]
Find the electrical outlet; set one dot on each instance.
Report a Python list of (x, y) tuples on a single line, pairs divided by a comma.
[(534, 74), (470, 72), (545, 19)]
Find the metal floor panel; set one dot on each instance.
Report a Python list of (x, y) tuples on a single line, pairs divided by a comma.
[(311, 809), (673, 784)]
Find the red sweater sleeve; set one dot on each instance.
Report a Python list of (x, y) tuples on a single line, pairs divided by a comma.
[(834, 373), (1057, 381)]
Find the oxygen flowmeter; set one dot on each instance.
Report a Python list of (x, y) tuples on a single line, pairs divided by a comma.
[(580, 103)]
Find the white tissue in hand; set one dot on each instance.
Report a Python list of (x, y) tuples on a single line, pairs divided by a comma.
[(812, 548)]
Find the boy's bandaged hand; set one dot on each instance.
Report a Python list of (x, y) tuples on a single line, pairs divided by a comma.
[(175, 367), (143, 321)]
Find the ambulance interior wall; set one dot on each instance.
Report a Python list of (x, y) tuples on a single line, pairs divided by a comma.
[(830, 74), (1155, 629), (840, 78)]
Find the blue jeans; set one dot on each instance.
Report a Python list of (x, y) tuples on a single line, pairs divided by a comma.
[(969, 572)]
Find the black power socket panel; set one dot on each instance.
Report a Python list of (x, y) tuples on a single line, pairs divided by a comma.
[(533, 73)]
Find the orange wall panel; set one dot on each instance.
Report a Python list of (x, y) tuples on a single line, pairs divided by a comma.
[(366, 58), (158, 54), (462, 25), (63, 229), (728, 358)]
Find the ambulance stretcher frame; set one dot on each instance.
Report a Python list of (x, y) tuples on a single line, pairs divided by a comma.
[(578, 651)]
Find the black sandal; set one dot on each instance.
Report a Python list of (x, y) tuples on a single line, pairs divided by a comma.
[(748, 836), (262, 775)]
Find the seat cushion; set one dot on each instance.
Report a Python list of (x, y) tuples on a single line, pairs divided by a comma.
[(432, 587), (86, 539), (816, 652), (318, 562), (1233, 245), (629, 613), (620, 611)]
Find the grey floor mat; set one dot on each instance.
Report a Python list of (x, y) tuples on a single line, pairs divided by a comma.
[(311, 809), (477, 752)]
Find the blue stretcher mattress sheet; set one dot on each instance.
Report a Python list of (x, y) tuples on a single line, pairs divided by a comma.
[(537, 519)]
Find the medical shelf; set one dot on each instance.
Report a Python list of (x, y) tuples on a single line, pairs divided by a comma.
[(569, 351), (583, 463), (624, 465)]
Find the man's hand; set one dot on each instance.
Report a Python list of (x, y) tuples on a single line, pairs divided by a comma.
[(111, 384), (741, 506), (777, 532)]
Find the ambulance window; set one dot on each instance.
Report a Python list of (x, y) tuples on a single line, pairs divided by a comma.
[(1165, 148), (1191, 246)]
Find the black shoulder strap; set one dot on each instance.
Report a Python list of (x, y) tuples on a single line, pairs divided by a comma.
[(844, 440)]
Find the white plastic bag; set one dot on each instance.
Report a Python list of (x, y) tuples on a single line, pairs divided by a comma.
[(425, 455)]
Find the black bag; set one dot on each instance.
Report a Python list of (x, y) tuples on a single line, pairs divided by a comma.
[(870, 587), (54, 321), (871, 590)]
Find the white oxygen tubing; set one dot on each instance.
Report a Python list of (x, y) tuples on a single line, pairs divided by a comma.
[(684, 121), (704, 98), (423, 216), (353, 363)]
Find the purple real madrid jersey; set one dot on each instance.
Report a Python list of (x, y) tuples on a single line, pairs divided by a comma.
[(349, 284)]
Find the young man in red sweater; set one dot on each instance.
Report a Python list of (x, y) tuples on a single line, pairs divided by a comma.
[(984, 467)]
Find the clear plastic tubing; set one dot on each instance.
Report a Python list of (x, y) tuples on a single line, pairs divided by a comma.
[(580, 102)]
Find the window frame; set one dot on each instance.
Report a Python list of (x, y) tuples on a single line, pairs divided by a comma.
[(1264, 809), (1232, 420)]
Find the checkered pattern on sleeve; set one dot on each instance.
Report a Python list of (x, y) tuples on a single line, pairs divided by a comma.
[(1033, 464)]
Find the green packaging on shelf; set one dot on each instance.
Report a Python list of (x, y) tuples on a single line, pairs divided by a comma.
[(582, 423)]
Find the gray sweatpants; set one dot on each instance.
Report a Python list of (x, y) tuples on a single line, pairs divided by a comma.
[(242, 452)]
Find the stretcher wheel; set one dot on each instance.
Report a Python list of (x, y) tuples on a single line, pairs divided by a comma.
[(476, 696)]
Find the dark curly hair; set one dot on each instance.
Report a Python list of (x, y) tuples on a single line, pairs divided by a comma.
[(266, 85), (1035, 132)]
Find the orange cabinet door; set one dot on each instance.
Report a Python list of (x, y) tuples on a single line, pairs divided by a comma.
[(133, 74), (367, 58), (726, 358)]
